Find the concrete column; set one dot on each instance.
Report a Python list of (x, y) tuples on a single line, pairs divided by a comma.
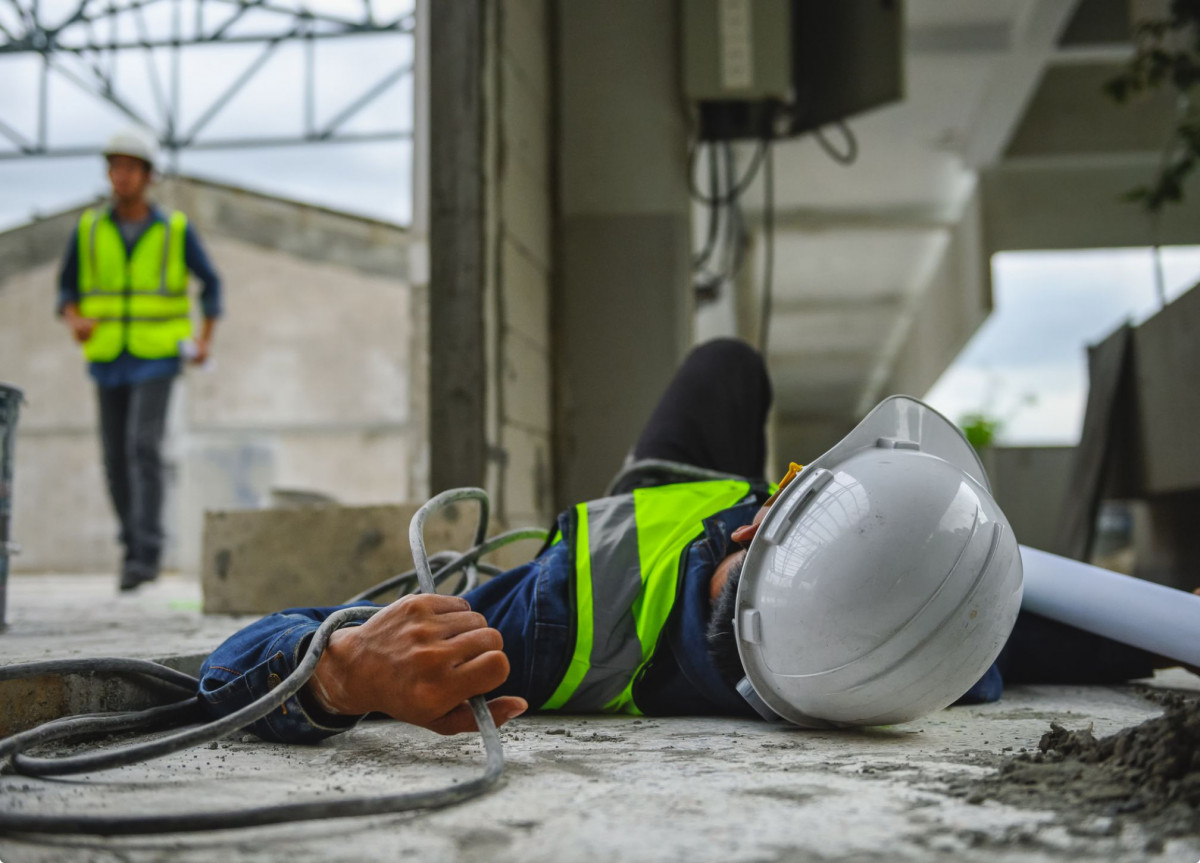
[(457, 231), (622, 307)]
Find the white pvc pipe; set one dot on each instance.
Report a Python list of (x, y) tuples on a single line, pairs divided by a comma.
[(1159, 619)]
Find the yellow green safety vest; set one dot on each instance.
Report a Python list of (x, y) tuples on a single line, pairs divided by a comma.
[(628, 555), (139, 300)]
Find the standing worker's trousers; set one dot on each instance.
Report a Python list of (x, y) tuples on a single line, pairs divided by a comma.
[(132, 422)]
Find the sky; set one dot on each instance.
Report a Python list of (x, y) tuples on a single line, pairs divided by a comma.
[(372, 179), (1027, 364)]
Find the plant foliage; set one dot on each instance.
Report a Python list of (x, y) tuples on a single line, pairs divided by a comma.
[(1167, 54)]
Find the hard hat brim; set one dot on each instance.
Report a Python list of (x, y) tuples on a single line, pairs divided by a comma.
[(904, 418)]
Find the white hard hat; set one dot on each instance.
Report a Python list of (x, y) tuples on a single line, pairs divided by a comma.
[(883, 581), (137, 142)]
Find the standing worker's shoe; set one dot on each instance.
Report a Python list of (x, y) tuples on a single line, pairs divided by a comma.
[(136, 573)]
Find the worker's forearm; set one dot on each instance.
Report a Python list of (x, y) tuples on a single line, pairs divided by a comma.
[(207, 329)]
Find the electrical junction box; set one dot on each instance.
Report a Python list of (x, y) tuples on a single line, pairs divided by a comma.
[(737, 50), (761, 69)]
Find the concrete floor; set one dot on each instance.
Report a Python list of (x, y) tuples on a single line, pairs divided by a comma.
[(596, 788)]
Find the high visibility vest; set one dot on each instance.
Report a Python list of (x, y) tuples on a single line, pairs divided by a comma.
[(139, 300), (628, 555)]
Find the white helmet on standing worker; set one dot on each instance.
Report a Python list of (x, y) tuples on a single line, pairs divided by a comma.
[(137, 142), (884, 580)]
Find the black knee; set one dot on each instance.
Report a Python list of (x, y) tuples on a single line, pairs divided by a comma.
[(730, 352)]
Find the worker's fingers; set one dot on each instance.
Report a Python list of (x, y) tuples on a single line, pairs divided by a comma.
[(429, 603), (470, 645), (457, 622), (462, 719), (745, 533), (481, 673)]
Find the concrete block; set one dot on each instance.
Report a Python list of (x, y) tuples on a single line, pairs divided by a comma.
[(261, 561)]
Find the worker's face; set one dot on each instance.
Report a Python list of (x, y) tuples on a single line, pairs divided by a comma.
[(730, 562), (129, 177)]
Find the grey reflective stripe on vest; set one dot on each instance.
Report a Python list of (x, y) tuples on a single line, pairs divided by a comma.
[(616, 583), (92, 249), (168, 227)]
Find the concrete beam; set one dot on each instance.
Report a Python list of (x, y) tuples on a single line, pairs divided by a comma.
[(936, 324), (1072, 203), (1015, 77), (817, 219), (1071, 115), (973, 38)]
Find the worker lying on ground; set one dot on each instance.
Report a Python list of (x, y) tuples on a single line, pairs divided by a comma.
[(633, 607)]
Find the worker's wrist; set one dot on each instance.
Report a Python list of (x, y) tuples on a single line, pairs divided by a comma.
[(327, 686)]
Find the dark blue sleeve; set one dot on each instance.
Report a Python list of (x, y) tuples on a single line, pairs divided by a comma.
[(68, 276), (197, 261), (253, 661)]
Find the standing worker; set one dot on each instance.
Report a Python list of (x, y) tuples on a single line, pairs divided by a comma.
[(123, 293)]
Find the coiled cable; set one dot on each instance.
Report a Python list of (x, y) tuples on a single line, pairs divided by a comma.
[(107, 825)]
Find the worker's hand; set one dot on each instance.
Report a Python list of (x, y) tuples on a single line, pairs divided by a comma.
[(81, 327), (418, 661), (202, 349)]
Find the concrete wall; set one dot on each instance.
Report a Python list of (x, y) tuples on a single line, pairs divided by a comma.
[(1168, 391), (318, 381), (1031, 483)]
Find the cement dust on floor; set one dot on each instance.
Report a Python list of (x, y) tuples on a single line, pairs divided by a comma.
[(620, 788), (53, 616)]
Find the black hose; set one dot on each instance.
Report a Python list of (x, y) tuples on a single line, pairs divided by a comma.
[(100, 665)]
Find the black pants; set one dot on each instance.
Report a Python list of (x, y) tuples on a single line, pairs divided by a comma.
[(132, 422), (712, 415)]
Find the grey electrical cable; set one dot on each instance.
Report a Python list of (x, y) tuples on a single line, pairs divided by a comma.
[(456, 562), (98, 723), (188, 738), (261, 707)]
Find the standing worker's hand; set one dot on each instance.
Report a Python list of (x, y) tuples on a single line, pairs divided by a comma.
[(201, 352), (418, 661), (81, 327)]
